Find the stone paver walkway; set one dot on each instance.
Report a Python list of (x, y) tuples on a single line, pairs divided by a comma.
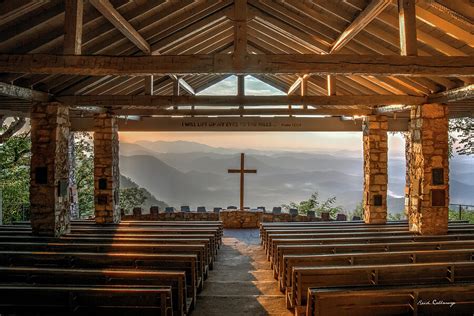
[(241, 282)]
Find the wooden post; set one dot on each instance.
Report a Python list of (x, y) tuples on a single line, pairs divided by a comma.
[(241, 90), (407, 22), (240, 32), (331, 85), (304, 88), (73, 27), (149, 85)]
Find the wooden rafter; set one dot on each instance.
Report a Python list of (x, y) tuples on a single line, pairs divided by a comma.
[(159, 100), (363, 19), (114, 17), (254, 64), (16, 92), (183, 84)]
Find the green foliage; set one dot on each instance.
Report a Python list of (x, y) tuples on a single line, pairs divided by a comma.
[(396, 216), (15, 175), (84, 173), (314, 203), (358, 211), (464, 130), (132, 197), (465, 215)]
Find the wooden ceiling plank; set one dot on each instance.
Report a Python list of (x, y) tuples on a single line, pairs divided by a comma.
[(73, 27), (444, 25), (114, 17)]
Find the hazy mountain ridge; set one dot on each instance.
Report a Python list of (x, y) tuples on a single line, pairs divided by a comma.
[(174, 174)]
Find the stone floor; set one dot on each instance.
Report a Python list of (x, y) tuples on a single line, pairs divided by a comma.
[(241, 282)]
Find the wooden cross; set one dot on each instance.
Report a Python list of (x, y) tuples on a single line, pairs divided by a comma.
[(242, 171)]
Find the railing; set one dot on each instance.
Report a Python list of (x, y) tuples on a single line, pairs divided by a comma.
[(463, 209)]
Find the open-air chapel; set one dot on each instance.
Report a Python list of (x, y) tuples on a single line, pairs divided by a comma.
[(109, 66)]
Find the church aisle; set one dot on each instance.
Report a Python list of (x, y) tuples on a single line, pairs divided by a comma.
[(241, 282)]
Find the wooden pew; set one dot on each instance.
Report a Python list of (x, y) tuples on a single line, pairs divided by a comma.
[(277, 243), (107, 278), (209, 250), (361, 228), (81, 260), (366, 275), (196, 249), (95, 230), (364, 258), (392, 300), (374, 247), (342, 235), (62, 300)]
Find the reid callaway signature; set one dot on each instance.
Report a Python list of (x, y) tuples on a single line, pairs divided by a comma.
[(436, 302)]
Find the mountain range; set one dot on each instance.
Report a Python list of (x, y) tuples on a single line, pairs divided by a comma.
[(189, 173)]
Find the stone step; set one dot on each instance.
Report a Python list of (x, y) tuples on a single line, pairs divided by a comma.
[(240, 287), (234, 305)]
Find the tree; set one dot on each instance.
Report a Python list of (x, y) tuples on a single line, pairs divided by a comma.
[(313, 203), (84, 155), (15, 156), (464, 129), (132, 197)]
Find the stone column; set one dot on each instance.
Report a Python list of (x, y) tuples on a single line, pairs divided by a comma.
[(375, 169), (106, 169), (49, 184), (429, 170)]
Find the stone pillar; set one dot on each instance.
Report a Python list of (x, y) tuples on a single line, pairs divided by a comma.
[(429, 170), (49, 184), (375, 169), (106, 169)]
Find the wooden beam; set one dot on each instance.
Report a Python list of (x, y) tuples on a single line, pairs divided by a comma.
[(240, 28), (273, 124), (16, 92), (312, 64), (114, 17), (407, 27), (73, 27), (362, 20), (453, 95), (331, 83), (242, 112), (166, 101)]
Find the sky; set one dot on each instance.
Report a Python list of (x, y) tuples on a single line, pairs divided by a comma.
[(292, 141)]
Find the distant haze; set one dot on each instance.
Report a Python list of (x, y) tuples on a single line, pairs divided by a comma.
[(186, 172)]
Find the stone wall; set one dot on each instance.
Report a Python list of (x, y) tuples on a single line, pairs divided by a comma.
[(230, 218), (375, 169), (246, 219), (176, 216), (106, 169), (49, 184), (429, 170)]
